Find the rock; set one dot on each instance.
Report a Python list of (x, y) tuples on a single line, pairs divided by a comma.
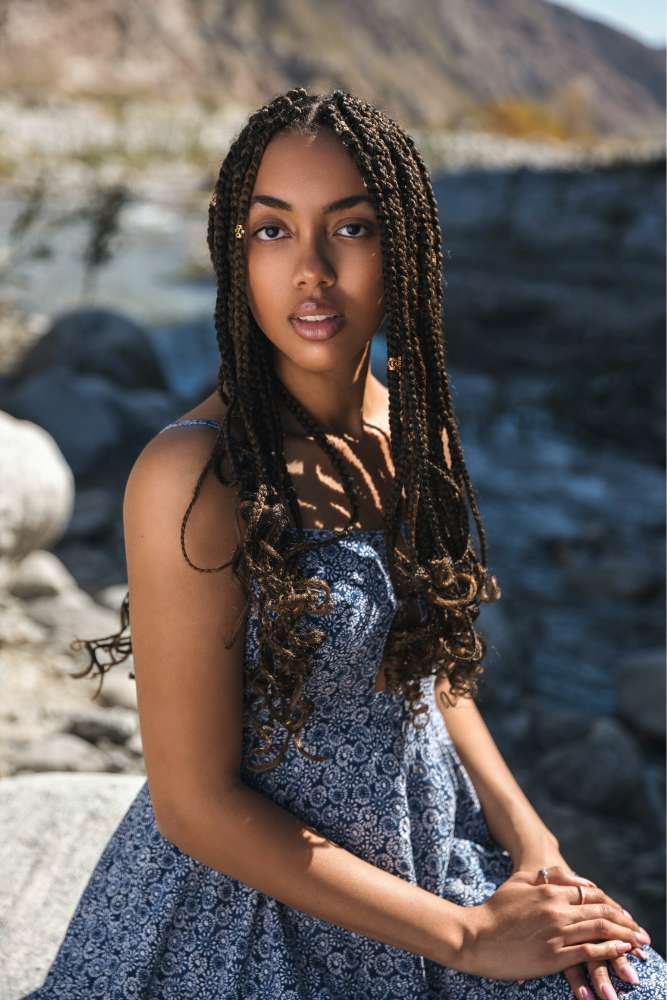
[(59, 752), (118, 688), (36, 488), (617, 575), (94, 564), (53, 828), (143, 413), (641, 691), (40, 574), (62, 402), (134, 744), (72, 615), (96, 724), (17, 627), (602, 771), (97, 342), (94, 511), (189, 356), (552, 726), (111, 597)]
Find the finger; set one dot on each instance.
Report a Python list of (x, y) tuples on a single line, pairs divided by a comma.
[(576, 977), (624, 970), (592, 892), (599, 928), (602, 984), (590, 951), (621, 925), (612, 902)]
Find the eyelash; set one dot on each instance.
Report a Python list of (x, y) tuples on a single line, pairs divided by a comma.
[(270, 225)]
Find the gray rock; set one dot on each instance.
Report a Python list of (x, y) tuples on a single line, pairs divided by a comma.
[(111, 597), (118, 688), (641, 691), (17, 627), (72, 615), (134, 744), (616, 575), (96, 724), (40, 574), (53, 829), (36, 488), (59, 752), (97, 342), (552, 726), (602, 771), (94, 511), (62, 401)]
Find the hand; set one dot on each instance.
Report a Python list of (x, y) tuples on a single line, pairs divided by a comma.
[(560, 873), (530, 930)]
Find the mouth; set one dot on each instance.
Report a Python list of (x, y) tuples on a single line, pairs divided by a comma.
[(317, 327)]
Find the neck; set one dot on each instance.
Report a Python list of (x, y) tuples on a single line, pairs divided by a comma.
[(341, 401)]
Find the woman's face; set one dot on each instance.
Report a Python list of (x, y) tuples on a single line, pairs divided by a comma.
[(303, 250)]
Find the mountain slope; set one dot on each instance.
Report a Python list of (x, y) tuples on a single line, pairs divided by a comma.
[(432, 69)]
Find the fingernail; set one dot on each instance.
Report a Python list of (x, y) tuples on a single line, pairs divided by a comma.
[(643, 937), (630, 974), (585, 993), (608, 991), (622, 946), (642, 954)]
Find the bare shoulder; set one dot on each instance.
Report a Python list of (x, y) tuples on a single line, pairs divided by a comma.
[(164, 477)]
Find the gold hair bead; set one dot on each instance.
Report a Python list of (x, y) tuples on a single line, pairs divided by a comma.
[(239, 232), (394, 364)]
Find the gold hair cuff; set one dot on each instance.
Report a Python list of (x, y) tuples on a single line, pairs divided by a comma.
[(239, 232), (394, 364)]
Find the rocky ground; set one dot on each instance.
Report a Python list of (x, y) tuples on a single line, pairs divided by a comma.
[(562, 418)]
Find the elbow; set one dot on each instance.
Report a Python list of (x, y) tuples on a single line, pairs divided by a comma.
[(180, 821), (171, 825)]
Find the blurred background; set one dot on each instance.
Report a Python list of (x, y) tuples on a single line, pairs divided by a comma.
[(543, 126)]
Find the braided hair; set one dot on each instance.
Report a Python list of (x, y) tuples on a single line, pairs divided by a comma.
[(440, 572)]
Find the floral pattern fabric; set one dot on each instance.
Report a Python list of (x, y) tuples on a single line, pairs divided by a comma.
[(155, 924)]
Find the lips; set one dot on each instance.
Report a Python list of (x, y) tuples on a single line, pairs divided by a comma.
[(317, 329), (315, 307)]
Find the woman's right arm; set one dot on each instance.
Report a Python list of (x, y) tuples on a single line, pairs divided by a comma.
[(189, 689)]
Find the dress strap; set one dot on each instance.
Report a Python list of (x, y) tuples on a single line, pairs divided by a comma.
[(191, 422)]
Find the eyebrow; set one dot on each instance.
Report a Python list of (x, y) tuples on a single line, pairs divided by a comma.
[(335, 206)]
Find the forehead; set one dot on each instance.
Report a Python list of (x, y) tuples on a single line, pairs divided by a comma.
[(303, 168)]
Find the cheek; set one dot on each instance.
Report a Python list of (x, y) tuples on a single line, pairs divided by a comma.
[(261, 285)]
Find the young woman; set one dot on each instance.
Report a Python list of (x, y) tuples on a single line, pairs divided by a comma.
[(326, 815)]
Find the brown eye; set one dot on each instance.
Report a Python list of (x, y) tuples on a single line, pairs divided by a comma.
[(270, 226), (362, 224)]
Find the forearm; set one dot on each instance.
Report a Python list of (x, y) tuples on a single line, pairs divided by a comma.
[(512, 821), (249, 837)]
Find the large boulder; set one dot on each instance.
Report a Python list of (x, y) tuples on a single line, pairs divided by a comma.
[(53, 828), (36, 489), (96, 342), (89, 416)]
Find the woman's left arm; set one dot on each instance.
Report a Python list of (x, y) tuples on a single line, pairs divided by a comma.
[(512, 821), (515, 825)]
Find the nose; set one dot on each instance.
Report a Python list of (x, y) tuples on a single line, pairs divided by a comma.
[(313, 265)]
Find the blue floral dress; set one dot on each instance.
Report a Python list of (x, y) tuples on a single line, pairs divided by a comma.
[(153, 923)]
